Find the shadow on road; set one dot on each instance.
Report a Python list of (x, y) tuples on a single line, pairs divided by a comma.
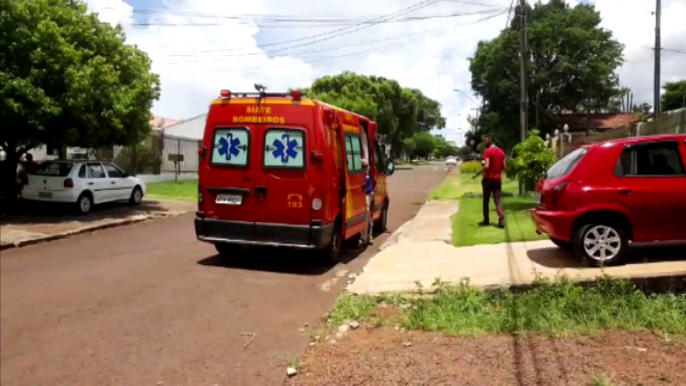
[(281, 260), (638, 254), (34, 212)]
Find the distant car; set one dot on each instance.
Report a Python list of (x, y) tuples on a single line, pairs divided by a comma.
[(451, 162), (83, 183), (600, 197)]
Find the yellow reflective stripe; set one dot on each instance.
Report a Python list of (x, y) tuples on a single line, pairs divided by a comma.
[(253, 101)]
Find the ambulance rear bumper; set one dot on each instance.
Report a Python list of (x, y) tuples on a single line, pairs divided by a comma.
[(316, 235)]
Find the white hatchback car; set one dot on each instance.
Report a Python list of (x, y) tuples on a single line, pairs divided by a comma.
[(451, 162), (84, 183)]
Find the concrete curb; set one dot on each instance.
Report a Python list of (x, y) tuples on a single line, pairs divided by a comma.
[(660, 282), (86, 229), (393, 238)]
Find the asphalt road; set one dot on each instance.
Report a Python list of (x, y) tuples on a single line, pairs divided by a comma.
[(147, 304)]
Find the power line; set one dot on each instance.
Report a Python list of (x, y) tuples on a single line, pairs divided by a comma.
[(336, 23), (323, 49), (412, 41), (306, 52)]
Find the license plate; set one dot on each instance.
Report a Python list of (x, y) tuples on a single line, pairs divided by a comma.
[(45, 194), (537, 197), (229, 199)]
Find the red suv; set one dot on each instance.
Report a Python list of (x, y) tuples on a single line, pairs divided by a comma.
[(600, 197)]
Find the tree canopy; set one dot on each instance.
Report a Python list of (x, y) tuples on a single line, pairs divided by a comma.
[(571, 66), (399, 112), (67, 79), (674, 96)]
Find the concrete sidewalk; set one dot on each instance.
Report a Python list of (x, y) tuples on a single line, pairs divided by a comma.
[(422, 252), (40, 223)]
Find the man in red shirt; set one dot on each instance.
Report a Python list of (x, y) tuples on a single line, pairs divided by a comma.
[(492, 183)]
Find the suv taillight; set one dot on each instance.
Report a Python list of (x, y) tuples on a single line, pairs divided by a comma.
[(68, 183), (556, 193)]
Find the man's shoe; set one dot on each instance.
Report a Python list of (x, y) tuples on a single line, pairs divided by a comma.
[(501, 224), (484, 223)]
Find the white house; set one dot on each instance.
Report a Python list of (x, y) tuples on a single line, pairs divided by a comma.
[(192, 128)]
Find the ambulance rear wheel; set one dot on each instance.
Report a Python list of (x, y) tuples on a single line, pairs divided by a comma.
[(332, 252)]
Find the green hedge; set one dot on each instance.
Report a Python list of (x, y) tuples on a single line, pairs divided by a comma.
[(470, 167)]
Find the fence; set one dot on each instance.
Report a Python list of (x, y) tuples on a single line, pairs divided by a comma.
[(671, 123), (155, 155)]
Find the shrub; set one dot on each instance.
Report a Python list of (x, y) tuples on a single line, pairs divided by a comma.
[(531, 161), (470, 167)]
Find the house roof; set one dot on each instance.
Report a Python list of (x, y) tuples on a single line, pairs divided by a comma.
[(602, 121), (193, 128), (157, 122)]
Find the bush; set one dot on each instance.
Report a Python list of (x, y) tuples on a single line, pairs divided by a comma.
[(470, 167), (531, 161)]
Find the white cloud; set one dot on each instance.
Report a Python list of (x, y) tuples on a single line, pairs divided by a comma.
[(195, 62)]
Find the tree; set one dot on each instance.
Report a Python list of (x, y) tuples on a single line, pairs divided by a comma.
[(420, 145), (67, 79), (399, 112), (571, 61), (674, 96), (533, 158)]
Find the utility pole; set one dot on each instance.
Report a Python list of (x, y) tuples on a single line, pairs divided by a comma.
[(658, 49), (523, 97), (523, 61)]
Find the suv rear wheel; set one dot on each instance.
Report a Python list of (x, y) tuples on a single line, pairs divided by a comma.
[(601, 244)]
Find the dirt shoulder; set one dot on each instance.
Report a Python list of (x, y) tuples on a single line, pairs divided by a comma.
[(385, 356)]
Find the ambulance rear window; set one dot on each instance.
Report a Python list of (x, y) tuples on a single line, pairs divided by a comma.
[(231, 146), (284, 148)]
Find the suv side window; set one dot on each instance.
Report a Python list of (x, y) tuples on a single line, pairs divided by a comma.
[(95, 170), (113, 171), (659, 159), (353, 151)]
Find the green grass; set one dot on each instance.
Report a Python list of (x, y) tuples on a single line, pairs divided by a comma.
[(518, 224), (470, 167), (600, 380), (186, 190), (556, 308), (466, 232)]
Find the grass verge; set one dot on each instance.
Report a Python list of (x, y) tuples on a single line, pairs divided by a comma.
[(186, 190), (466, 232), (554, 307)]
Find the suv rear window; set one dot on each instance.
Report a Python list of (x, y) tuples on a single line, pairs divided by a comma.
[(231, 147), (54, 169), (567, 163), (284, 148)]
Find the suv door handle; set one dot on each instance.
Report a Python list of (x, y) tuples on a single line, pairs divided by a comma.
[(625, 191), (90, 183)]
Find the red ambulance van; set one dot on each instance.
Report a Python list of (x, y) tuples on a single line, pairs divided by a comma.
[(281, 170)]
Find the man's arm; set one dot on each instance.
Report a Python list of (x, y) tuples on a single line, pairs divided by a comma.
[(487, 164)]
